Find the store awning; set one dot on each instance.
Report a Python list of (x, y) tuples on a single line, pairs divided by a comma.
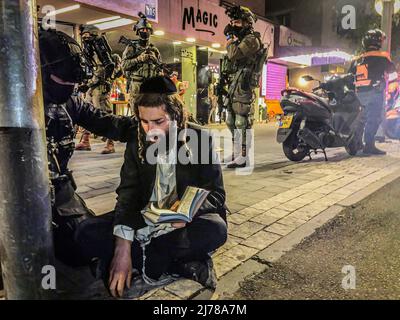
[(310, 56)]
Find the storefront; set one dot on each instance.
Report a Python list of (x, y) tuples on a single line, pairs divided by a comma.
[(295, 57), (189, 35)]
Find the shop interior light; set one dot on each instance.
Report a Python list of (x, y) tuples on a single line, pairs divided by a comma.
[(203, 48), (63, 10), (306, 59), (176, 43), (216, 45), (379, 6), (302, 82), (103, 20), (191, 39), (114, 23), (159, 33)]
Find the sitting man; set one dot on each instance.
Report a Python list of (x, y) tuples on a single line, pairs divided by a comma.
[(175, 248)]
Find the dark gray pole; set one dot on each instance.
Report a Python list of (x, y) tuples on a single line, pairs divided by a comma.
[(25, 214)]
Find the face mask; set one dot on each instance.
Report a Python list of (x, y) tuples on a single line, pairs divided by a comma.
[(144, 35), (236, 30), (56, 93)]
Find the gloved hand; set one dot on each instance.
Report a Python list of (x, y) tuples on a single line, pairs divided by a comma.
[(83, 88), (152, 57), (142, 58)]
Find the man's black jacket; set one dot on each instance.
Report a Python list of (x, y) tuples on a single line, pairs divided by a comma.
[(138, 179)]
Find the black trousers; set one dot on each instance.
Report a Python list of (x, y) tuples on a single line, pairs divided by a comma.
[(202, 236)]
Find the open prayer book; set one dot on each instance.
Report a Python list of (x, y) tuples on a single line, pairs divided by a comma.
[(188, 206)]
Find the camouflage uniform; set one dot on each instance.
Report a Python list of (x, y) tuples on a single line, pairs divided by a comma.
[(99, 91), (140, 61), (241, 92)]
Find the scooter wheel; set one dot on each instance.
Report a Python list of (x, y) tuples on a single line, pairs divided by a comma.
[(292, 150)]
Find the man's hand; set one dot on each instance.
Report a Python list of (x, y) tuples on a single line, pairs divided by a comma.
[(142, 57), (121, 268), (178, 225), (151, 57)]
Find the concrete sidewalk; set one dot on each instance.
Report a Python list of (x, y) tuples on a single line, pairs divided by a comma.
[(273, 209)]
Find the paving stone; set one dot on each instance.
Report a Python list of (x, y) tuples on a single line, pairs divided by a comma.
[(290, 206), (240, 252), (235, 207), (261, 240), (266, 219), (280, 229), (250, 212), (184, 288), (223, 264), (237, 218), (244, 230), (291, 221), (161, 294), (265, 205), (277, 212)]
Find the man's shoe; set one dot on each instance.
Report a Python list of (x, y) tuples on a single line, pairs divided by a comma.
[(109, 148), (238, 162), (84, 144), (373, 150), (200, 271)]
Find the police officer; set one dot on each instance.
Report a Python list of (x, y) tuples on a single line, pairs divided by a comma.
[(371, 69), (99, 88), (141, 60), (245, 50), (63, 67)]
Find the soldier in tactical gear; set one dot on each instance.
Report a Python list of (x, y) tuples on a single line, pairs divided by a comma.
[(99, 87), (371, 69), (63, 66), (141, 60), (247, 55)]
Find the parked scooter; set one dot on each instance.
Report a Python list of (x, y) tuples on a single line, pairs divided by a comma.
[(329, 117)]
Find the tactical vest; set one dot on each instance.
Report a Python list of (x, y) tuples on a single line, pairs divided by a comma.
[(60, 139), (144, 70)]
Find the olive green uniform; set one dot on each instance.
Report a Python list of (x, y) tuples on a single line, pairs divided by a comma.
[(241, 91), (138, 66), (99, 90)]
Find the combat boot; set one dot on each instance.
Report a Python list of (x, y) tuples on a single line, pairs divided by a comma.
[(235, 152), (84, 144), (109, 148), (371, 149), (240, 161)]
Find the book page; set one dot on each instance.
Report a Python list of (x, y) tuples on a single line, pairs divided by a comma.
[(187, 200)]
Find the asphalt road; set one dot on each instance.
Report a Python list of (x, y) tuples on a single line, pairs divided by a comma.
[(365, 237)]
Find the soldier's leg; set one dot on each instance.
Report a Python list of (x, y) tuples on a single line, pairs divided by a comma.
[(84, 142), (230, 122), (133, 92), (105, 105), (243, 122)]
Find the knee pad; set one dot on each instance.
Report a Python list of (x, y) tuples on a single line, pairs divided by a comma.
[(241, 122)]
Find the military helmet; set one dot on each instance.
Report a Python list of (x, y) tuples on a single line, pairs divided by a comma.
[(143, 23), (61, 56), (241, 13), (373, 40), (93, 30)]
